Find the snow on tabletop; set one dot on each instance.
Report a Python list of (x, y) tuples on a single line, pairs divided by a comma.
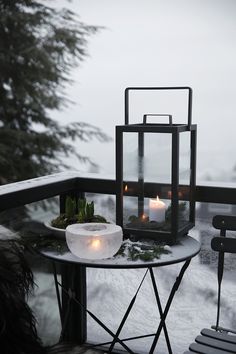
[(186, 248)]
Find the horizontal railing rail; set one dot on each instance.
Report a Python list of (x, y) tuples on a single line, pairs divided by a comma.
[(25, 192)]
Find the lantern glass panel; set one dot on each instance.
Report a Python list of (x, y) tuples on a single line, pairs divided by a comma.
[(152, 162), (184, 178), (157, 158), (147, 163), (130, 157)]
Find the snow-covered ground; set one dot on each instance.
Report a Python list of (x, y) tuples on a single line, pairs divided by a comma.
[(110, 291)]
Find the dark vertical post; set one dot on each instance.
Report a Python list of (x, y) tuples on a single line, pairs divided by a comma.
[(73, 279), (140, 174), (119, 176), (127, 106), (190, 97), (193, 174), (175, 185), (74, 317), (62, 203)]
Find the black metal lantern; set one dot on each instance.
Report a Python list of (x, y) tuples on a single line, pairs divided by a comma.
[(155, 174)]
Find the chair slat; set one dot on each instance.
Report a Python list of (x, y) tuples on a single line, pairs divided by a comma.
[(225, 222), (218, 335), (216, 343), (224, 244), (202, 349)]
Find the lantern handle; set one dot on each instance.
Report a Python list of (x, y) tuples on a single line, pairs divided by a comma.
[(157, 115), (190, 93)]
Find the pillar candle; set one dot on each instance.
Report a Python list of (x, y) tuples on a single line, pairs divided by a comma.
[(157, 209)]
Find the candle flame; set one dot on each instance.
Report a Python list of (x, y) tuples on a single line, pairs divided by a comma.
[(126, 188), (180, 194), (143, 217), (96, 243), (157, 198)]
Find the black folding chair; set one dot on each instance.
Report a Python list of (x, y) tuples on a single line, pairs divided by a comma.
[(218, 340)]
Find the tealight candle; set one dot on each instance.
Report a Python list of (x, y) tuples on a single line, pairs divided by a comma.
[(157, 210), (95, 243)]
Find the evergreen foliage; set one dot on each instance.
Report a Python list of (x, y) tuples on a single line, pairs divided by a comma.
[(17, 321), (39, 46)]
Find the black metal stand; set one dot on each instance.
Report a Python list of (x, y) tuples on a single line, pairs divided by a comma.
[(73, 308)]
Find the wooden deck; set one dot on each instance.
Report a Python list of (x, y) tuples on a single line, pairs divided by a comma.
[(67, 348)]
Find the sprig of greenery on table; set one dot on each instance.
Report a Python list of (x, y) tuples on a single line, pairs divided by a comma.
[(32, 241), (145, 251)]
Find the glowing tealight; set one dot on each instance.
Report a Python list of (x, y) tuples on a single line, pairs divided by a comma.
[(96, 243), (94, 240)]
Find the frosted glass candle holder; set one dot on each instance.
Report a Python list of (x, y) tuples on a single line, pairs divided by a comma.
[(94, 240)]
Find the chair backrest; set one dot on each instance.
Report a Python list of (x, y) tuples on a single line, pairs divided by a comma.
[(224, 222), (226, 244), (222, 244)]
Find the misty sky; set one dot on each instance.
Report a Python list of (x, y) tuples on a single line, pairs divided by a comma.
[(159, 43)]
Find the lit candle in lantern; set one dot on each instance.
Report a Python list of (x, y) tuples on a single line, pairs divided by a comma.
[(157, 210), (144, 217)]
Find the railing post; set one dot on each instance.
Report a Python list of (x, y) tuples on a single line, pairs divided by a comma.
[(74, 317), (73, 279)]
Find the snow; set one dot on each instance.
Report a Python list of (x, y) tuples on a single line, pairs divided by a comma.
[(6, 234), (110, 291), (46, 180), (178, 253)]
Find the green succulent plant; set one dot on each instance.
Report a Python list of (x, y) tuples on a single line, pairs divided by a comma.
[(77, 211)]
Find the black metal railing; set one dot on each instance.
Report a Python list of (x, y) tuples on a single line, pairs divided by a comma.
[(25, 192)]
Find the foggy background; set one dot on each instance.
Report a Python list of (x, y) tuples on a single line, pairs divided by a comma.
[(159, 43)]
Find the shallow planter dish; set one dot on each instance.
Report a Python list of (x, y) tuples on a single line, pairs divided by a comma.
[(59, 233)]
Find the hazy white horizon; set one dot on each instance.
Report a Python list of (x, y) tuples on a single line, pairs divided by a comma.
[(159, 43)]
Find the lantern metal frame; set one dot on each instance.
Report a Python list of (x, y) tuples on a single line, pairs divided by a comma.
[(142, 189)]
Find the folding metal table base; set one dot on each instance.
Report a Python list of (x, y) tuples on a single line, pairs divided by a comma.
[(71, 293)]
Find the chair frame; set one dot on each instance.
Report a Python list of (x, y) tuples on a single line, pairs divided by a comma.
[(217, 340)]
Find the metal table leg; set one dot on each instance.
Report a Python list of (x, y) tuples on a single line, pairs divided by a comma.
[(167, 307), (126, 315), (160, 309)]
